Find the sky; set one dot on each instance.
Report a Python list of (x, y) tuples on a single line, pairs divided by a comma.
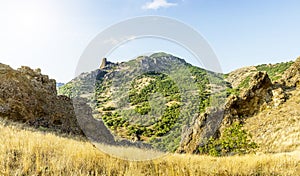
[(52, 34)]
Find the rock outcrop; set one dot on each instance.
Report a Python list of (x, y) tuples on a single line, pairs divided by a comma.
[(28, 96), (203, 126), (291, 77), (104, 63), (279, 96), (260, 94), (215, 120), (255, 97)]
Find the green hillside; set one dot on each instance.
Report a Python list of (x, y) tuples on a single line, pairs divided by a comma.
[(151, 106), (153, 99)]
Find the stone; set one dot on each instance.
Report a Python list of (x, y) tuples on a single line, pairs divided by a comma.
[(291, 77), (104, 63), (279, 96)]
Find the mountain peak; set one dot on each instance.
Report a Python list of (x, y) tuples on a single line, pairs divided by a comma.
[(162, 57), (160, 54)]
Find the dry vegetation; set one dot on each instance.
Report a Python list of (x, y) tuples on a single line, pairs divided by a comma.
[(29, 152), (277, 129)]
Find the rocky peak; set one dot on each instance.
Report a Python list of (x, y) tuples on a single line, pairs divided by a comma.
[(159, 62), (107, 65), (104, 63), (256, 96)]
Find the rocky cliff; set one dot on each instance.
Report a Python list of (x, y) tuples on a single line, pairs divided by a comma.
[(215, 120), (256, 93), (28, 96)]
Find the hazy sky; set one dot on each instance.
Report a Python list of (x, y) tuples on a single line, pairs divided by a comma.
[(52, 34)]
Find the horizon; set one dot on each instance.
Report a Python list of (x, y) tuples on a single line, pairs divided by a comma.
[(52, 34)]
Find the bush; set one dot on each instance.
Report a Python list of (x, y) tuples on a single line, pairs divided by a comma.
[(275, 71), (234, 140), (143, 109), (109, 108)]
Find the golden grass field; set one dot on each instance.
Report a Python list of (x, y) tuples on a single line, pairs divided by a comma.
[(24, 151)]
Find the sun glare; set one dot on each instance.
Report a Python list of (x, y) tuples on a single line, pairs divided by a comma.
[(29, 18)]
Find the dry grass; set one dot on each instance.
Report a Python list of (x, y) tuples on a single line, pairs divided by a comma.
[(29, 152), (130, 153), (277, 129)]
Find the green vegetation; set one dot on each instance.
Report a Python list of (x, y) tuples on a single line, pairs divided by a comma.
[(69, 90), (143, 109), (159, 105), (275, 71), (157, 112), (245, 83), (146, 126), (234, 140), (202, 81), (161, 84), (232, 91), (109, 108)]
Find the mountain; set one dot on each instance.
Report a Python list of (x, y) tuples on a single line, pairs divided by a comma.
[(163, 101), (148, 99), (156, 101)]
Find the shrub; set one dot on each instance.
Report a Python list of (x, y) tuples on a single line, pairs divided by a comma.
[(234, 140), (109, 108), (275, 71)]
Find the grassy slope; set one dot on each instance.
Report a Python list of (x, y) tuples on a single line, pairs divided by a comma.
[(277, 129), (29, 152)]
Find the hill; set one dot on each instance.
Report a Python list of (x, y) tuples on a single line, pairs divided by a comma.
[(149, 99), (171, 105), (245, 111)]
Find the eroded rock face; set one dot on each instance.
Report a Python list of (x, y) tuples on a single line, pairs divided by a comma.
[(279, 96), (291, 77), (204, 126), (255, 97), (260, 94), (104, 63), (93, 128), (215, 120), (28, 96)]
